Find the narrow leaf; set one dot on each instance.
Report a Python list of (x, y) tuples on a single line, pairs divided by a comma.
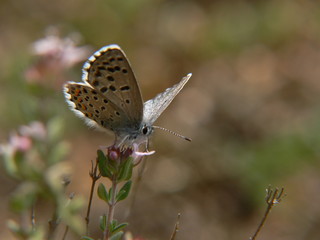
[(103, 193), (124, 191), (86, 238), (113, 224), (103, 222), (126, 170), (103, 164), (119, 227), (14, 226), (110, 194), (116, 236)]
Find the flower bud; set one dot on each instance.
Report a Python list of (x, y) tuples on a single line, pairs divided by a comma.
[(113, 153)]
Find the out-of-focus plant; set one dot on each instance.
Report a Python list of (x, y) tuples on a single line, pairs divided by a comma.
[(33, 156), (55, 55)]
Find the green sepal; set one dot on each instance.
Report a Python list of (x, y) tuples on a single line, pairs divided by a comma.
[(124, 191), (103, 193)]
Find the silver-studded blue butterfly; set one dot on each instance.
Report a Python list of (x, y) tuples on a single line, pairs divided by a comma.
[(109, 97)]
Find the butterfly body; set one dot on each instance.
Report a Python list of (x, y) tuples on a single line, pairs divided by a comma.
[(110, 97)]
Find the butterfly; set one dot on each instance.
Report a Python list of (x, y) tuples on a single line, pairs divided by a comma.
[(109, 97)]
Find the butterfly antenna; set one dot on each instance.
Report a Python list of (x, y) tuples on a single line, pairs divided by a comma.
[(174, 133)]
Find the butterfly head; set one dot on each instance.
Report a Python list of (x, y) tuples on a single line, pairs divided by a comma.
[(146, 130), (139, 136)]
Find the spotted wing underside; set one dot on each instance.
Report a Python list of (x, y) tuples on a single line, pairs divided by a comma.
[(110, 96)]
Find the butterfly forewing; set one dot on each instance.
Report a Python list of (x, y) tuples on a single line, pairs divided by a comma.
[(108, 71), (154, 107)]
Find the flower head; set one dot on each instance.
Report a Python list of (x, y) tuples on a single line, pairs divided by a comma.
[(120, 154), (54, 56)]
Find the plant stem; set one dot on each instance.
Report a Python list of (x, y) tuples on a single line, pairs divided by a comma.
[(273, 197), (262, 222), (94, 176), (112, 205), (176, 228), (33, 217), (65, 233), (53, 224)]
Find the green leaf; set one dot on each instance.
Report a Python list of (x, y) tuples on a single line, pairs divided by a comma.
[(103, 165), (11, 161), (116, 236), (110, 194), (126, 170), (124, 191), (14, 226), (113, 224), (26, 232), (69, 212), (58, 152), (24, 197), (86, 238), (119, 227), (103, 222), (103, 193), (55, 129), (101, 156)]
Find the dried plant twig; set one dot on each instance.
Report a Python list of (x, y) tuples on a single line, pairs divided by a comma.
[(176, 228), (94, 176), (273, 196)]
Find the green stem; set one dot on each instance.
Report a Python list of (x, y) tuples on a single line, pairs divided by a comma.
[(112, 205)]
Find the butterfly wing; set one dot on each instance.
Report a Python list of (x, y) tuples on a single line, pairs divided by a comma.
[(154, 107), (109, 71), (95, 109), (110, 96)]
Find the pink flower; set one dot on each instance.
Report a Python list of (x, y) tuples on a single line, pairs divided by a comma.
[(60, 50), (138, 156), (117, 154), (34, 130), (23, 140), (55, 55), (20, 143)]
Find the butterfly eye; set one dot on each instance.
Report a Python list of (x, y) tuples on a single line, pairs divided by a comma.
[(145, 130)]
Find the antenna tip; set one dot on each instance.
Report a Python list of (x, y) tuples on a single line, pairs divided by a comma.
[(188, 139)]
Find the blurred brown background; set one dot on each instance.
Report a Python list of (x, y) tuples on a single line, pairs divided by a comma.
[(251, 107)]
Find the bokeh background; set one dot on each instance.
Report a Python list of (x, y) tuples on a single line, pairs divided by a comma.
[(251, 107)]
